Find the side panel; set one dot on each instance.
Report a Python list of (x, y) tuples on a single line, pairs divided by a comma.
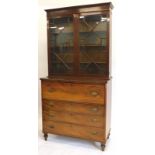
[(108, 107)]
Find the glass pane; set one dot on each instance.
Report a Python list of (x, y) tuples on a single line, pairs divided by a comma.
[(61, 44), (92, 39)]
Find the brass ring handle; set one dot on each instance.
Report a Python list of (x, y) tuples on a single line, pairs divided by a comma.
[(51, 116), (94, 109), (94, 133), (94, 93), (51, 90), (94, 120), (51, 103), (51, 126)]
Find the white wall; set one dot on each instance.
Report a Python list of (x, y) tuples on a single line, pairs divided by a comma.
[(42, 50)]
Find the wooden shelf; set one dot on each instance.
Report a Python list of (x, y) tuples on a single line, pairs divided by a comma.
[(63, 47), (86, 62), (92, 46), (93, 62), (67, 62), (67, 33), (80, 46)]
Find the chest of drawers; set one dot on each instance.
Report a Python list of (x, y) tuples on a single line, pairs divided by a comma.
[(76, 109)]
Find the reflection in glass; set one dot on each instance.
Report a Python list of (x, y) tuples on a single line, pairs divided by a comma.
[(92, 40), (61, 44)]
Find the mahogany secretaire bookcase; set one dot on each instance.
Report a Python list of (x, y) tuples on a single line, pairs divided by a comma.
[(76, 94)]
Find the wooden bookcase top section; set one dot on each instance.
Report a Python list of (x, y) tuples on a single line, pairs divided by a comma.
[(79, 9)]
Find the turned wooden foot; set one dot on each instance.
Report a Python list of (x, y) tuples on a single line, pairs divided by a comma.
[(45, 136), (108, 135), (102, 146)]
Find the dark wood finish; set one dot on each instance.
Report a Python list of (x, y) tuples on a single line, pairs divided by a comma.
[(80, 108), (77, 103), (76, 12), (85, 132), (102, 146), (45, 136), (79, 9), (73, 92), (76, 45), (82, 79), (49, 51), (80, 119)]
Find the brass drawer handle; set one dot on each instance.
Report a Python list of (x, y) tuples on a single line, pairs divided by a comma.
[(51, 90), (51, 116), (94, 93), (94, 120), (94, 133), (51, 103), (94, 109), (51, 126)]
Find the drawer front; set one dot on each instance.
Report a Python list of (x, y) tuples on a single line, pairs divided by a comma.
[(92, 133), (88, 120), (49, 105), (73, 92)]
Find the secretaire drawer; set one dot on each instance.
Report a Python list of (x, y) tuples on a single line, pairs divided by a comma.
[(97, 134), (49, 105), (73, 92), (81, 119)]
